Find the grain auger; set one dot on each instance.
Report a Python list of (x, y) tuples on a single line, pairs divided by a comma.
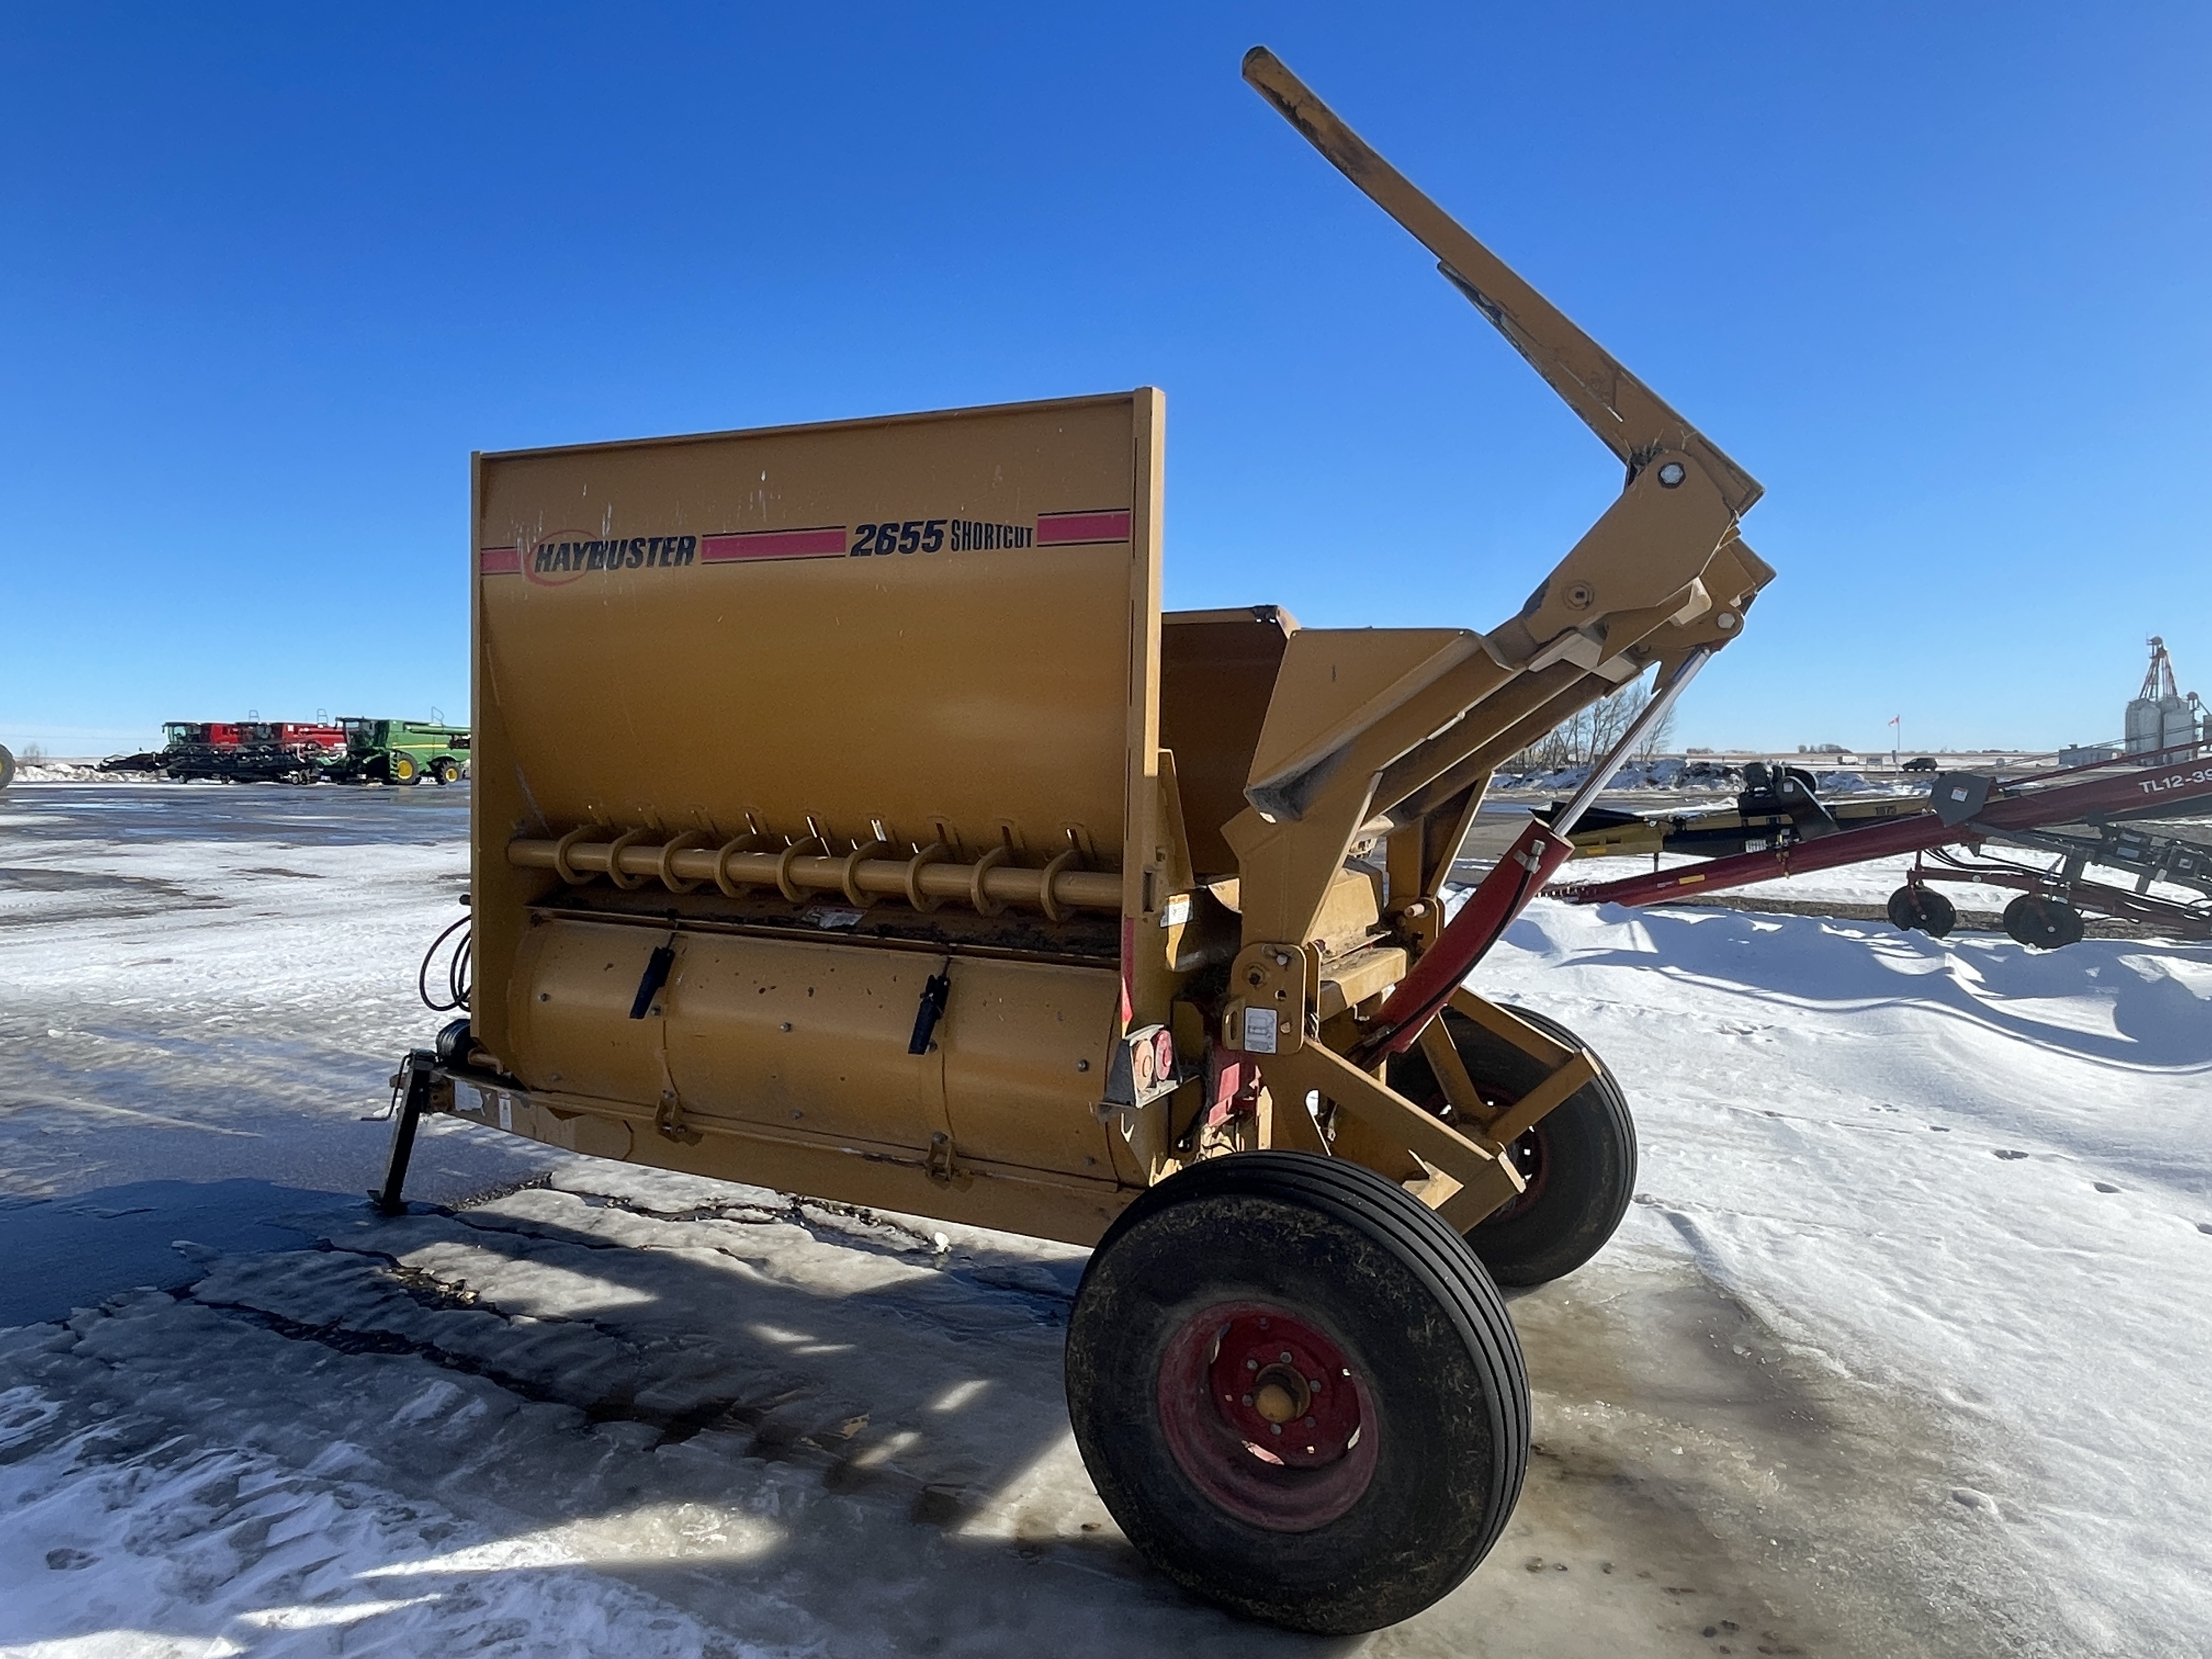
[(850, 820)]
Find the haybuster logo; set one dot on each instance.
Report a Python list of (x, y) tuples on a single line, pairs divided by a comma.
[(565, 555)]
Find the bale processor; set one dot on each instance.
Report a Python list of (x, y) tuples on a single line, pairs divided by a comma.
[(850, 820)]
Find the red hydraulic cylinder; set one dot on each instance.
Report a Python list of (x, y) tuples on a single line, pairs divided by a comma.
[(1466, 938), (1506, 892)]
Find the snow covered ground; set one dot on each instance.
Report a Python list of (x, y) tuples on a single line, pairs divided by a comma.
[(1967, 1172), (1902, 1349), (224, 972)]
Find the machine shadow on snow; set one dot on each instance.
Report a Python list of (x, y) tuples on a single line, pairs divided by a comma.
[(2159, 1022), (372, 1349), (65, 1253), (788, 1388)]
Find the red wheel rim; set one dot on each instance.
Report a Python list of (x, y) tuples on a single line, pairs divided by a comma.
[(1287, 1443), (1530, 1157)]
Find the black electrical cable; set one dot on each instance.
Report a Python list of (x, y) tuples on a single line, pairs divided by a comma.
[(457, 971)]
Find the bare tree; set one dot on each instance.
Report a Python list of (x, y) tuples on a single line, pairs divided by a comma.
[(1590, 733), (1660, 740)]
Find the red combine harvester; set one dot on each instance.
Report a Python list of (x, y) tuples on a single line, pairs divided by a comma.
[(200, 748), (242, 751), (295, 751), (2087, 815), (321, 737)]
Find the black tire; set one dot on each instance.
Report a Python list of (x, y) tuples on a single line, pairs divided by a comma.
[(1921, 910), (7, 767), (443, 772), (1349, 1266), (2044, 922), (403, 768), (1579, 1161)]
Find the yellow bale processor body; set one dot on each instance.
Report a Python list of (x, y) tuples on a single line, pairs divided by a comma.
[(874, 703), (849, 820), (841, 719)]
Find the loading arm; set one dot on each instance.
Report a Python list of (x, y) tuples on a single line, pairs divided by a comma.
[(1630, 419), (1413, 735), (1393, 734)]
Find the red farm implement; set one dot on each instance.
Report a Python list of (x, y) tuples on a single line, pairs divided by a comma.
[(2089, 815), (244, 751)]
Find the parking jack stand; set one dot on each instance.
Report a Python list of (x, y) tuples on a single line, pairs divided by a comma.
[(412, 1103)]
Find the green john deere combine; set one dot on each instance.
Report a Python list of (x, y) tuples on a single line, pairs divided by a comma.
[(400, 751)]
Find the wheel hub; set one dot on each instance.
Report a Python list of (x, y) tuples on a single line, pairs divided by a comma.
[(1280, 1394), (1268, 1416), (1285, 1389)]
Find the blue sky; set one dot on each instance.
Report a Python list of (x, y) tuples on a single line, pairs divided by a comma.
[(1936, 275)]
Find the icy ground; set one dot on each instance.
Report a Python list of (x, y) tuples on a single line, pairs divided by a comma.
[(1904, 1348)]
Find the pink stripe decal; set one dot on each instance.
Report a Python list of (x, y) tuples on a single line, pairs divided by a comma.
[(1060, 529), (824, 542), (500, 561)]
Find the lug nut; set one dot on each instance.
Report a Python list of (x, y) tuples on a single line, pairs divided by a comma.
[(1274, 1428), (1251, 1364)]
